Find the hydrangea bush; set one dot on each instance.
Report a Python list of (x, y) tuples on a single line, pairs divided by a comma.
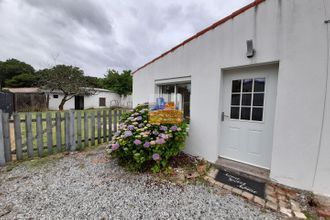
[(141, 146)]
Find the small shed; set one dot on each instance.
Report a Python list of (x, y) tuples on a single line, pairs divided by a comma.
[(28, 99)]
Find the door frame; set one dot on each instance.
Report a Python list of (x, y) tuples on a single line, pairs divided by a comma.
[(223, 71)]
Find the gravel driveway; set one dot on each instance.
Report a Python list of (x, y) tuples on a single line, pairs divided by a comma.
[(87, 185)]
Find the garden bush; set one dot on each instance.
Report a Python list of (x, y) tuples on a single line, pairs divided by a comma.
[(141, 146)]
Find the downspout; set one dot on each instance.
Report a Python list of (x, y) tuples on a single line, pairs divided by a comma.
[(326, 22)]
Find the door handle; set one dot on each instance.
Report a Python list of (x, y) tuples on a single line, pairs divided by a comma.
[(223, 116)]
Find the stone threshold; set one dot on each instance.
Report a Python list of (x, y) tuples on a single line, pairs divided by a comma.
[(277, 198), (243, 169)]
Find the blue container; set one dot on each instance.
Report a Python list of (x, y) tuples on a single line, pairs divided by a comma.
[(160, 103)]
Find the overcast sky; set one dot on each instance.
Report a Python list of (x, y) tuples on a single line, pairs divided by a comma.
[(96, 35)]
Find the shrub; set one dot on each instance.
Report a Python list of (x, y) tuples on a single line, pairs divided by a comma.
[(141, 146)]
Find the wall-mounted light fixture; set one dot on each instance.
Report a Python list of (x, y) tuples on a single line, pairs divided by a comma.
[(249, 49)]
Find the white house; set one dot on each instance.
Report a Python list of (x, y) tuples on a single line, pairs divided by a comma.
[(255, 86), (100, 99)]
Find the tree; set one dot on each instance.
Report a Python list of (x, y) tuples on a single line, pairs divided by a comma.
[(119, 83), (94, 81), (13, 67), (22, 80), (67, 79)]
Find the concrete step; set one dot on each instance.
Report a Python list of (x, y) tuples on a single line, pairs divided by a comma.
[(243, 169)]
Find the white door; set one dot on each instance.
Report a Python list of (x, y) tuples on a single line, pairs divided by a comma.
[(249, 98)]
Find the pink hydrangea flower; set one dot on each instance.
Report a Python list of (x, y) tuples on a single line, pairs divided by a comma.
[(163, 128), (174, 128), (164, 136), (114, 146), (146, 144), (137, 142), (128, 133), (156, 157), (130, 127), (160, 141)]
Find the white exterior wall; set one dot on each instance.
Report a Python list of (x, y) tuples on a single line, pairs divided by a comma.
[(92, 101), (322, 174), (291, 32), (54, 103), (126, 101)]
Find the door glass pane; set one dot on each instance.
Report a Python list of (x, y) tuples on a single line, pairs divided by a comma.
[(245, 113), (247, 85), (234, 112), (257, 114), (183, 99), (247, 95), (235, 99), (258, 99), (236, 86), (259, 85), (246, 99)]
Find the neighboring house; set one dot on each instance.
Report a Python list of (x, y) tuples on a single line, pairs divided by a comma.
[(256, 88), (101, 98), (35, 99)]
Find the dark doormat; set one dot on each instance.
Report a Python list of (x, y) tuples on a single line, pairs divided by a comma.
[(246, 184)]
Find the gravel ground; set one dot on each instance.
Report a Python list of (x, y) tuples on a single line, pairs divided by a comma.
[(87, 185)]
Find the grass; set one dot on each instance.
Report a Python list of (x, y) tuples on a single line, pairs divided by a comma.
[(311, 216), (39, 162), (53, 113)]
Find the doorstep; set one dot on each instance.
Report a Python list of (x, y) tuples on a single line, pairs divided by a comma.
[(243, 169), (277, 198)]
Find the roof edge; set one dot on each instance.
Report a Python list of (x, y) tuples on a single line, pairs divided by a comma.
[(211, 27)]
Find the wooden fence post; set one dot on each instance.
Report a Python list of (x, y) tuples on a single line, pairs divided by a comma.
[(115, 121), (93, 129), (18, 136), (49, 133), (29, 135), (119, 115), (86, 130), (58, 132), (67, 130), (110, 124), (79, 129), (2, 143), (98, 127), (72, 131), (40, 141), (104, 126), (6, 133)]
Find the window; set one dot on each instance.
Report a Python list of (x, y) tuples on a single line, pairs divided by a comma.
[(179, 94), (102, 102), (55, 96), (247, 99)]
